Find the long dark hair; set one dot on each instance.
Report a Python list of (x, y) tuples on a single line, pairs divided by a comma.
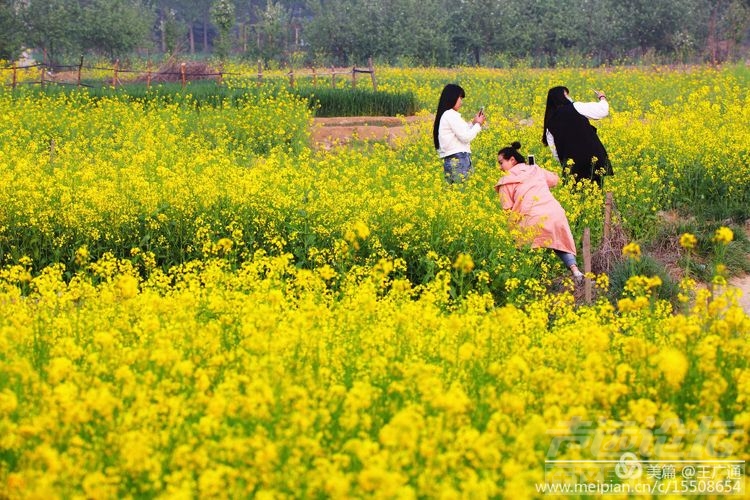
[(555, 98), (511, 151), (448, 98)]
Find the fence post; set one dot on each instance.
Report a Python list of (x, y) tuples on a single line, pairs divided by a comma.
[(587, 264), (315, 77), (15, 77), (260, 71), (114, 75), (182, 74), (80, 67), (607, 215), (43, 70), (148, 74), (333, 77), (354, 77), (372, 74), (291, 76), (221, 73)]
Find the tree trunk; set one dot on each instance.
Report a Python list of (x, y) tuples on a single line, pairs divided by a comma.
[(163, 32), (711, 41), (191, 34), (205, 33)]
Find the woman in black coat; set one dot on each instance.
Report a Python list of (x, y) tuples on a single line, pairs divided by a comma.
[(570, 135)]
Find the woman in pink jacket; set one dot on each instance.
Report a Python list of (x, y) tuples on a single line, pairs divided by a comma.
[(525, 189)]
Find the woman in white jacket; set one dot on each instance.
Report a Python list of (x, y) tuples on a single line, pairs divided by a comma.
[(451, 134)]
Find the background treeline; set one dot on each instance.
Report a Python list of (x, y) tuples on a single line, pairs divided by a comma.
[(394, 32)]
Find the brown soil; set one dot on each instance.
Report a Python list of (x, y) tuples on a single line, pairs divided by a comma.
[(743, 283), (173, 71), (62, 76), (330, 132)]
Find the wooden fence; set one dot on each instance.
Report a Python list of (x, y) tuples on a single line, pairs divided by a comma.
[(332, 71), (73, 74)]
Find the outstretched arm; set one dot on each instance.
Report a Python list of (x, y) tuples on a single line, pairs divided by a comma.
[(593, 110)]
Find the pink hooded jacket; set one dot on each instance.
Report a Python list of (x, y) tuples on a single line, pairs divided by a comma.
[(525, 190)]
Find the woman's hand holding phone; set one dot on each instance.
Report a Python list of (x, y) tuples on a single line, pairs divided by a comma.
[(479, 117)]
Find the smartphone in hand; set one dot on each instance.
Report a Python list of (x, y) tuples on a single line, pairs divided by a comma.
[(531, 160)]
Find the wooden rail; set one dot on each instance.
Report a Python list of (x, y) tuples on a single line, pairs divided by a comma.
[(332, 72), (46, 74)]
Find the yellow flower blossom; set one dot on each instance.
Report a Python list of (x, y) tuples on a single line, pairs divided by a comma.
[(723, 235), (632, 251), (82, 255), (673, 366), (464, 263), (8, 402), (688, 241), (224, 245)]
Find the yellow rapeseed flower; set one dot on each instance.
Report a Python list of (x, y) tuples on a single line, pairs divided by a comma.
[(632, 251), (361, 229), (224, 245), (326, 272), (673, 366), (688, 241), (464, 263), (82, 255), (723, 235), (127, 286), (8, 402)]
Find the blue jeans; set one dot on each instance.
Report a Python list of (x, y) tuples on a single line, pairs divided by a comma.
[(568, 258), (457, 167)]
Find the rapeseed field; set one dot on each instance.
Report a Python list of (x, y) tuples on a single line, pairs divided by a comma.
[(195, 302)]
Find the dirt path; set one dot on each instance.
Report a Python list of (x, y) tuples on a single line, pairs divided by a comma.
[(329, 132), (743, 283)]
